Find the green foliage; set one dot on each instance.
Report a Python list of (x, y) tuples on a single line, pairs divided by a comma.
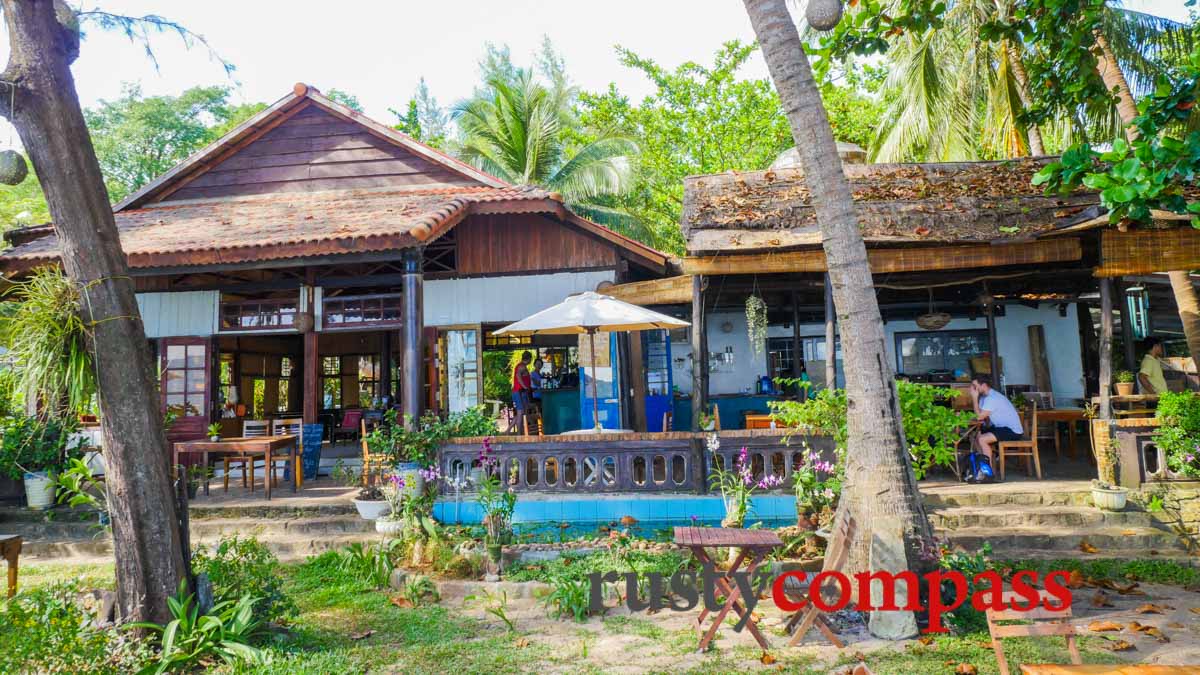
[(818, 484), (421, 443), (33, 444), (373, 563), (77, 487), (1151, 173), (967, 619), (47, 630), (577, 566), (569, 597), (423, 119), (931, 428), (1150, 570), (192, 639), (1178, 434), (138, 138), (736, 483), (47, 341), (23, 205), (240, 566), (495, 604), (420, 589), (700, 119), (345, 98), (1123, 376)]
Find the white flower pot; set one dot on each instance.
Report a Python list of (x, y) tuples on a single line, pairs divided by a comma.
[(390, 527), (414, 484), (39, 490), (372, 509), (1109, 499)]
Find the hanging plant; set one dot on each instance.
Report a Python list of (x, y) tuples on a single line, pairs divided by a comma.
[(47, 341), (756, 323), (13, 168)]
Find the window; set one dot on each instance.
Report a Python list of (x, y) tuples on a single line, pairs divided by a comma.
[(658, 364), (368, 379), (286, 367), (259, 314), (944, 350), (331, 381), (350, 381), (185, 379), (780, 359), (362, 310), (228, 389)]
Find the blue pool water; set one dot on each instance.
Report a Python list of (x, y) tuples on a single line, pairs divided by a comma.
[(590, 513)]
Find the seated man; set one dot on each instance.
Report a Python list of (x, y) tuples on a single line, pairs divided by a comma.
[(1150, 375), (1000, 419)]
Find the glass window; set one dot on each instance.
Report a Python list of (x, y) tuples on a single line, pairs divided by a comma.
[(658, 364), (943, 351), (780, 359), (259, 314), (362, 310), (331, 365)]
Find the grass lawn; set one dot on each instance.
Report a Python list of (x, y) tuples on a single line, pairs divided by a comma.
[(344, 626)]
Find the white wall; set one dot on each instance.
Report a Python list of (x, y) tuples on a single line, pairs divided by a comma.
[(1062, 348), (502, 299), (183, 314)]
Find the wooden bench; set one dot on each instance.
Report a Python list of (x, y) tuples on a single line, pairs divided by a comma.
[(10, 550)]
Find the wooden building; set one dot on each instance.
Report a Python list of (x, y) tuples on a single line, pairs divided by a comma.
[(313, 260)]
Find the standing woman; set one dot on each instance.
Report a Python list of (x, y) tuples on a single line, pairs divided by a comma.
[(522, 386)]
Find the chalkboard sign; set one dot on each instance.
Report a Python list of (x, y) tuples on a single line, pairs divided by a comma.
[(310, 443)]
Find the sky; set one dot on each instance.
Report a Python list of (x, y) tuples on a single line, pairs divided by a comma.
[(378, 50)]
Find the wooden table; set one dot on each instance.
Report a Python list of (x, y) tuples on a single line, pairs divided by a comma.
[(761, 421), (1071, 416), (754, 545), (249, 446), (10, 550), (1114, 669)]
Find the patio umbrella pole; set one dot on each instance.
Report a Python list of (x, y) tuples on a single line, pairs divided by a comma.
[(595, 401)]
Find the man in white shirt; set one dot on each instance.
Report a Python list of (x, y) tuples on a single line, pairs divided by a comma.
[(1001, 421)]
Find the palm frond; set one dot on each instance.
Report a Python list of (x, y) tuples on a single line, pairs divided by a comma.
[(1144, 43)]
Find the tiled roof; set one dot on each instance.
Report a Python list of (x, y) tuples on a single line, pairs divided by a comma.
[(290, 225)]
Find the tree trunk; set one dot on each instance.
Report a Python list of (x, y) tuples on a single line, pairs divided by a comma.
[(46, 113), (1036, 148), (1186, 301), (880, 485)]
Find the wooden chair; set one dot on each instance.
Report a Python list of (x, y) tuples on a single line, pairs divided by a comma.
[(372, 463), (1046, 431), (836, 554), (256, 428), (1043, 622), (1023, 448), (288, 426), (351, 421), (536, 426), (250, 429)]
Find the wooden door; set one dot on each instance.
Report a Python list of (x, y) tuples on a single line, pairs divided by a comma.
[(185, 367), (460, 370)]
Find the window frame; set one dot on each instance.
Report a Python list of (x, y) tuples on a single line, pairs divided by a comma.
[(900, 336)]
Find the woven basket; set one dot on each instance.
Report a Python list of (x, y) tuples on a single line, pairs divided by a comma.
[(933, 321), (13, 168)]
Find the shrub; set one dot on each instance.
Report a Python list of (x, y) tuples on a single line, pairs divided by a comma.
[(192, 639), (419, 589), (244, 566), (49, 630), (33, 444), (569, 597), (1179, 432), (578, 566), (372, 563), (967, 619)]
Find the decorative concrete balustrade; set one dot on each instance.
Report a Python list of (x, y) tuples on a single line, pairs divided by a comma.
[(629, 463)]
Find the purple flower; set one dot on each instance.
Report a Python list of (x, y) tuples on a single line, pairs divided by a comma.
[(431, 474), (694, 519), (397, 481), (1188, 458), (769, 482)]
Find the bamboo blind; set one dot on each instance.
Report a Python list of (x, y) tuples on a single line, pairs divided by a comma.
[(1148, 251)]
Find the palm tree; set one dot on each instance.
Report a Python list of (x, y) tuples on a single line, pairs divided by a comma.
[(881, 490), (958, 97), (521, 131)]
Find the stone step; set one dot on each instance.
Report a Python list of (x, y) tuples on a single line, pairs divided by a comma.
[(265, 511), (294, 527), (99, 549), (1136, 541), (971, 498), (1035, 516)]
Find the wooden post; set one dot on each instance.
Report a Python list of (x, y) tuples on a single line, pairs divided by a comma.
[(636, 371), (385, 366), (830, 336), (312, 378), (1106, 335), (414, 323), (993, 343), (699, 355), (797, 344), (1037, 357), (1131, 363)]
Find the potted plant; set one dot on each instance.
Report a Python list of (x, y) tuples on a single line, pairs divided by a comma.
[(214, 432), (196, 474), (35, 450), (392, 522), (816, 498), (1106, 494), (1124, 383), (411, 449), (498, 503), (736, 484)]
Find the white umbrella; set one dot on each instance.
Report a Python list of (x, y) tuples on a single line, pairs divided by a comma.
[(589, 313)]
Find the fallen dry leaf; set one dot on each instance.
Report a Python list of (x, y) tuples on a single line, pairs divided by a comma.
[(1128, 533), (363, 635), (1120, 645), (1101, 600), (522, 643), (1076, 580), (1175, 624), (1151, 608), (1087, 548), (1152, 631), (767, 659), (925, 640), (966, 669), (400, 601), (1194, 610), (1103, 626)]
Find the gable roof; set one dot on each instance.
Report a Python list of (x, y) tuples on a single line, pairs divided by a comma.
[(301, 98)]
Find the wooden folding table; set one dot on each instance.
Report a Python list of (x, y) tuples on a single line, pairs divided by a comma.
[(754, 545), (10, 550), (251, 446)]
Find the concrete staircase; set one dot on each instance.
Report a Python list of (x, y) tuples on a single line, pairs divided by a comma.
[(1033, 524)]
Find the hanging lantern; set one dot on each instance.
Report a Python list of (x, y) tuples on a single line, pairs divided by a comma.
[(13, 168), (823, 14)]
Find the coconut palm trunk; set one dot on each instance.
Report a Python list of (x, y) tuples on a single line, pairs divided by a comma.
[(1033, 133), (45, 110), (881, 489), (1186, 300)]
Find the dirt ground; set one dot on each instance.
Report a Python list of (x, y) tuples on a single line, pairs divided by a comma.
[(621, 642)]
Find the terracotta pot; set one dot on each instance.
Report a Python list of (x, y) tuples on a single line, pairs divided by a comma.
[(1124, 388)]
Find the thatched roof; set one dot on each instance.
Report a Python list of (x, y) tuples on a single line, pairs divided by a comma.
[(897, 203)]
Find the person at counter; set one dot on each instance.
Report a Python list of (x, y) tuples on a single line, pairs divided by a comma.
[(1150, 375), (522, 386)]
